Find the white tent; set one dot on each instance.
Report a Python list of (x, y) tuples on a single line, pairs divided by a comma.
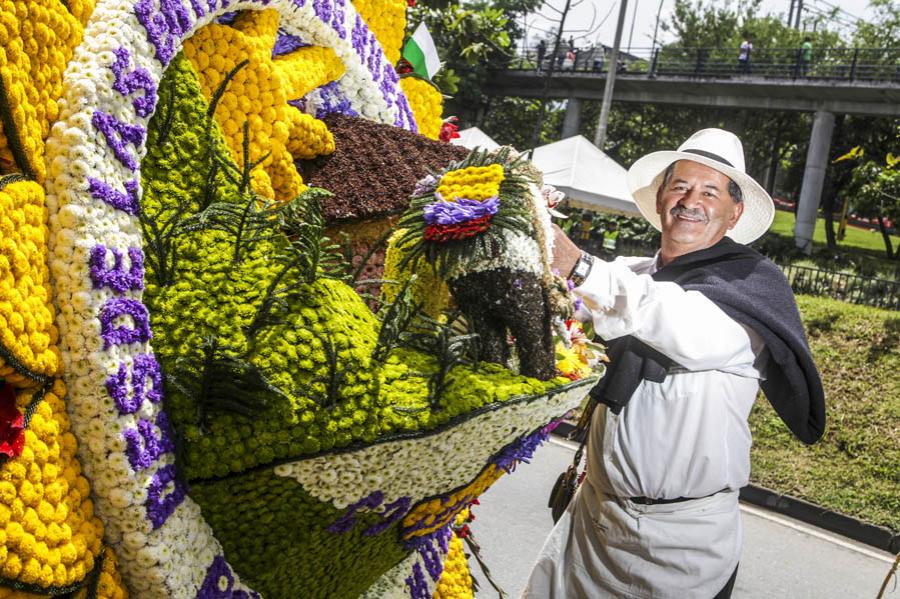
[(473, 137), (591, 179)]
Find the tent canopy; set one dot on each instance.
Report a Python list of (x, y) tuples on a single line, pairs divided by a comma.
[(590, 179), (473, 137)]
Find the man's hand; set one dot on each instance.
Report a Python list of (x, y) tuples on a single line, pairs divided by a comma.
[(565, 252)]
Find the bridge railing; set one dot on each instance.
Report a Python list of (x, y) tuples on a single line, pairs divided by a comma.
[(848, 64)]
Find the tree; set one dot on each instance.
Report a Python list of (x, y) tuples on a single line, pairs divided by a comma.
[(472, 38), (877, 195)]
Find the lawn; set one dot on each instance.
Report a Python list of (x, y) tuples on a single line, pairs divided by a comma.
[(854, 468), (855, 237)]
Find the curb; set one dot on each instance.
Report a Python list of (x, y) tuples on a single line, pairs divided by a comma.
[(879, 537)]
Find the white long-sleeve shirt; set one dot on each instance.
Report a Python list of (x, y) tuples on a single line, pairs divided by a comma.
[(687, 436)]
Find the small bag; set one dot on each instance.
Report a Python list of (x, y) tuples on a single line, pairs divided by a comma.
[(567, 482)]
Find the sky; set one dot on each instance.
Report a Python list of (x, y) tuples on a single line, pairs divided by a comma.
[(642, 13)]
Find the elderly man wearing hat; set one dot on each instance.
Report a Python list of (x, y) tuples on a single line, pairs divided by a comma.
[(693, 333)]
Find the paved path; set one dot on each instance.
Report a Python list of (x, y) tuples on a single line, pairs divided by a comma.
[(782, 558)]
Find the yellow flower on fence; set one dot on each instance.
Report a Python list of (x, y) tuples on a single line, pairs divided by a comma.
[(427, 105)]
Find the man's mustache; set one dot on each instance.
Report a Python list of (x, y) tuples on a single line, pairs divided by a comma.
[(691, 213)]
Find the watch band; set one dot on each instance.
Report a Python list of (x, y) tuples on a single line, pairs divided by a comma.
[(582, 269)]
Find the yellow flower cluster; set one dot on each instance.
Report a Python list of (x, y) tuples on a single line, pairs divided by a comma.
[(428, 290), (427, 105), (307, 68), (472, 183), (258, 95), (27, 331), (37, 39), (436, 513), (49, 534), (110, 585), (456, 581), (387, 20), (571, 361)]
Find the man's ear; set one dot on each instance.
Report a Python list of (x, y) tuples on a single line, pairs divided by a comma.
[(736, 215)]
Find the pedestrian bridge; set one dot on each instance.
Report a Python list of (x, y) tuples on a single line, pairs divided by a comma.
[(864, 81)]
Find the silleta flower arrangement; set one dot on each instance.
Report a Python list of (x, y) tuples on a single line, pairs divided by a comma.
[(201, 372)]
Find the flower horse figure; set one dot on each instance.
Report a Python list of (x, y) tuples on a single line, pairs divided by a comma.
[(484, 227)]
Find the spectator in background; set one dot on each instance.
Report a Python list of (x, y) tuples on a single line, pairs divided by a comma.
[(744, 54), (569, 62), (805, 56), (541, 52)]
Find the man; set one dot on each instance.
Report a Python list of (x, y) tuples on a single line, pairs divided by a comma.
[(744, 54), (541, 52), (693, 333), (805, 55)]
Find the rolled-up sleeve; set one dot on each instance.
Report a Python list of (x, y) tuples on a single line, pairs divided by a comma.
[(683, 325)]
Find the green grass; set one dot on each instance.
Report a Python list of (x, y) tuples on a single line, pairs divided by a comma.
[(855, 238), (855, 468)]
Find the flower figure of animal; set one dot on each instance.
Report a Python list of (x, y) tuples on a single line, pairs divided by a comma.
[(483, 225)]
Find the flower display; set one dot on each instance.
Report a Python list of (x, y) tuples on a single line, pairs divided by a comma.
[(456, 581), (248, 426), (426, 102), (28, 352), (38, 37)]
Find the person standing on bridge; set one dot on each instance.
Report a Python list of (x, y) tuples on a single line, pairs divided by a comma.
[(693, 334), (805, 56), (744, 54), (541, 52)]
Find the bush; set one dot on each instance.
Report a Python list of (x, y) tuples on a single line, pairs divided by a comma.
[(853, 468)]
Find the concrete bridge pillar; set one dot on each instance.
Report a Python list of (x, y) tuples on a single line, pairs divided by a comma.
[(572, 121), (813, 179)]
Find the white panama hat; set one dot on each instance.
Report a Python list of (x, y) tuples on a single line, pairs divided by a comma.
[(717, 149)]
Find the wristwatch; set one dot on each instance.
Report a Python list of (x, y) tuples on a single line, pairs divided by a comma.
[(582, 269)]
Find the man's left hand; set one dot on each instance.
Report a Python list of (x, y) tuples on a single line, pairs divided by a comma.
[(565, 252)]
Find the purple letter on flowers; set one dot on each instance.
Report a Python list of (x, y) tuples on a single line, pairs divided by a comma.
[(165, 28), (165, 494), (126, 202), (118, 134), (145, 366), (117, 307), (131, 81), (116, 277), (144, 446)]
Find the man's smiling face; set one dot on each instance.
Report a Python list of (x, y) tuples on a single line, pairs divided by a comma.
[(695, 208)]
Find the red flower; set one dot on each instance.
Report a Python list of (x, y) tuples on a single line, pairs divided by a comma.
[(449, 130), (444, 233), (411, 3), (12, 425), (403, 67)]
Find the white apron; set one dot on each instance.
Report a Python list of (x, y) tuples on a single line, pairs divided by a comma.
[(608, 547)]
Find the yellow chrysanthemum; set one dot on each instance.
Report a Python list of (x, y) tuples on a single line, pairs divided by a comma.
[(472, 183), (258, 95), (37, 39), (428, 290), (52, 535), (456, 580), (437, 513), (387, 20), (427, 105), (27, 333)]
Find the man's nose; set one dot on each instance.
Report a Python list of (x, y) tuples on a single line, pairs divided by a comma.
[(691, 198)]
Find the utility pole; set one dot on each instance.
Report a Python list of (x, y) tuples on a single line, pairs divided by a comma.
[(613, 66), (790, 21), (633, 16), (799, 13)]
